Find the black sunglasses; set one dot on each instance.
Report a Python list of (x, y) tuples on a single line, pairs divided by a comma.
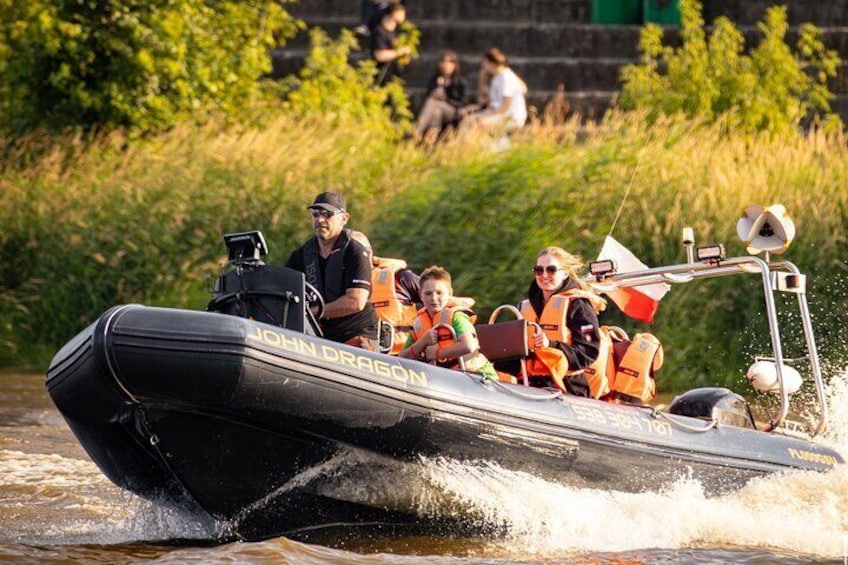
[(550, 269), (321, 212)]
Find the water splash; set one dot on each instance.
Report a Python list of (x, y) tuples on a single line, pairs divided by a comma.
[(799, 512), (51, 499), (804, 512), (836, 434)]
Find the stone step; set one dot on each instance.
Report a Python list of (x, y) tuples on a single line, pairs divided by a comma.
[(540, 73), (743, 12), (573, 40), (503, 10), (577, 73), (749, 12), (521, 38), (839, 105), (338, 8)]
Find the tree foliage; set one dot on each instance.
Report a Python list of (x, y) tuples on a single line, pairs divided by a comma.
[(140, 64), (769, 88), (331, 88)]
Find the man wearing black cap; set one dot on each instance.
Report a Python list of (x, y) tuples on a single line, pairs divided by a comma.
[(340, 268)]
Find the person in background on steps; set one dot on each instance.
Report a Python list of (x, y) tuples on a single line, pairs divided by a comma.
[(384, 48), (372, 13), (507, 107), (446, 96)]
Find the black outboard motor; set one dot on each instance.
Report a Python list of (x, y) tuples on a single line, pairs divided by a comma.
[(252, 289), (719, 404)]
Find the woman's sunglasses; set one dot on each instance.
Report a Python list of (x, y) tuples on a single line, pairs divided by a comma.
[(550, 269)]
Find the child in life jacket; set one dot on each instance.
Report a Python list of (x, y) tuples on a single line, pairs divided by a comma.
[(395, 291), (432, 341)]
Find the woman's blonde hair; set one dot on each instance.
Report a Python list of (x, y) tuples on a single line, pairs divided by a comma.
[(572, 264)]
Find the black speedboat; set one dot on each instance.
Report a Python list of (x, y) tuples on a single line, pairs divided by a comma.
[(226, 411)]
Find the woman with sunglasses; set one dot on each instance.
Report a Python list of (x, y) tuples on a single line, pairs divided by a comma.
[(445, 98), (567, 312)]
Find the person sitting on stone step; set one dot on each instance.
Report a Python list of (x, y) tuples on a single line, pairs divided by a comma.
[(446, 96), (507, 107)]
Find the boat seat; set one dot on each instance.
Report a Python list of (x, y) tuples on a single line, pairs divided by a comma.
[(505, 341)]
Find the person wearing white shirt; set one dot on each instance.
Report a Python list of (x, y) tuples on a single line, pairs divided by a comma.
[(507, 106)]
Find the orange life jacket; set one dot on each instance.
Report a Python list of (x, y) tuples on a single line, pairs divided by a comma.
[(387, 303), (633, 377), (473, 361), (550, 361)]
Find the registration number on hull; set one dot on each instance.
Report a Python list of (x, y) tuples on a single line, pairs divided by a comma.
[(621, 421)]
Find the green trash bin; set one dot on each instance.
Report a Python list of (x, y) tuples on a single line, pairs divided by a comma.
[(664, 12), (616, 12)]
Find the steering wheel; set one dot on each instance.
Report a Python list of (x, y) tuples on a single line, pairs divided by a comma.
[(314, 298)]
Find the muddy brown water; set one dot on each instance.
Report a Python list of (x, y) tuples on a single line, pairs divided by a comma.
[(56, 507)]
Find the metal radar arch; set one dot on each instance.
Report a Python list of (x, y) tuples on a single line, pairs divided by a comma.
[(767, 229)]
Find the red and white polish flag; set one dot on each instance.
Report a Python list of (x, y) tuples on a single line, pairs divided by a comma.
[(638, 302)]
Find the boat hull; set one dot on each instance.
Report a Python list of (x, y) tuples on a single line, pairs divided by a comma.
[(237, 417)]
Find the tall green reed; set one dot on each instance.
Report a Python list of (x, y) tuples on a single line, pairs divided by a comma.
[(89, 225)]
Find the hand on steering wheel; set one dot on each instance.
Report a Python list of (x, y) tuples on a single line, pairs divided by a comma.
[(314, 299)]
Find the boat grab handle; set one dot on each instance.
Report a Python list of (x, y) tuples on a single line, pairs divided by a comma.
[(502, 308), (512, 309), (453, 335)]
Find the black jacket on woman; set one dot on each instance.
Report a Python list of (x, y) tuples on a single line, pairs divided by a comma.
[(456, 92)]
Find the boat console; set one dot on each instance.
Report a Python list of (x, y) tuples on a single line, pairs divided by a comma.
[(251, 289)]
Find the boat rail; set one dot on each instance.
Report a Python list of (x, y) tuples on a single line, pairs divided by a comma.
[(773, 278)]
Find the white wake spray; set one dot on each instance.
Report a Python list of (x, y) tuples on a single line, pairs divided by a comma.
[(51, 499), (805, 512), (802, 512)]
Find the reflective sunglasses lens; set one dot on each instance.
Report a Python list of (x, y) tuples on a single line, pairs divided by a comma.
[(550, 269)]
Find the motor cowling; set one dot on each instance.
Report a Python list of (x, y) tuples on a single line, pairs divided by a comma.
[(714, 403)]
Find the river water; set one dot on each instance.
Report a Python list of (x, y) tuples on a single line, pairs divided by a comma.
[(56, 507)]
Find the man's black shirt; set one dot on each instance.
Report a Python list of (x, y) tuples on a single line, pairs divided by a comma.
[(356, 273)]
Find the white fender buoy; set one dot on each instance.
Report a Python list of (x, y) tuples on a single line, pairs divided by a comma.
[(763, 376)]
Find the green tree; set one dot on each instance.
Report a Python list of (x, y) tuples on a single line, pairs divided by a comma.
[(330, 88), (769, 88), (140, 64)]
